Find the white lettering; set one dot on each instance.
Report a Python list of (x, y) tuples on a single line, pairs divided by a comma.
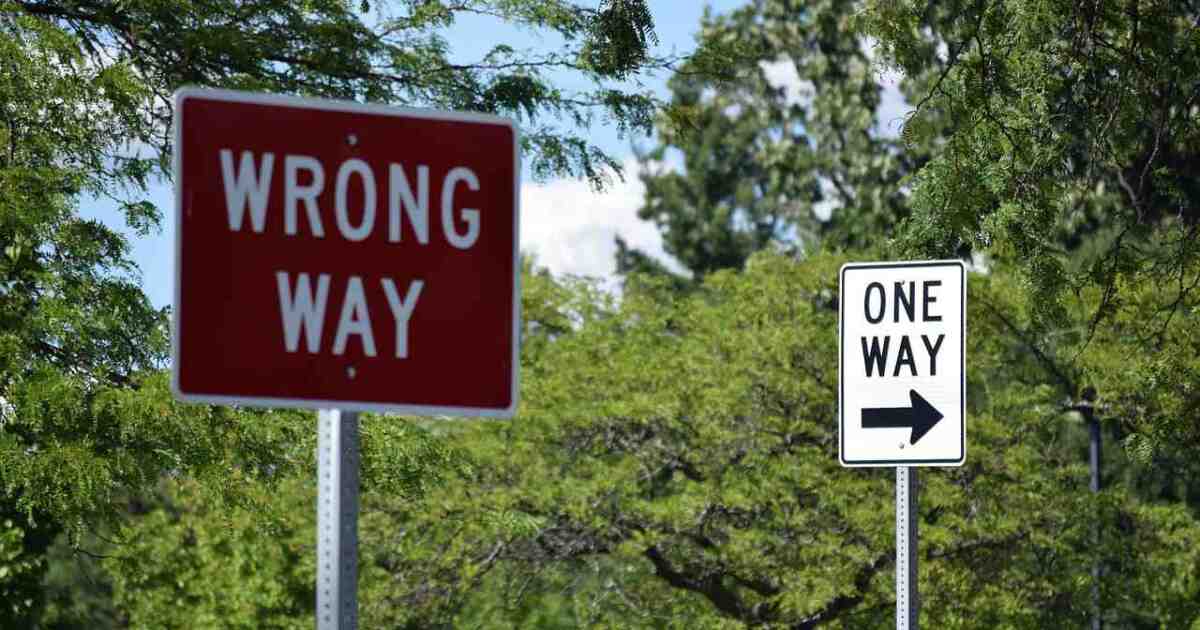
[(363, 230), (244, 187), (301, 310), (470, 215), (294, 192), (402, 311), (417, 207), (355, 319)]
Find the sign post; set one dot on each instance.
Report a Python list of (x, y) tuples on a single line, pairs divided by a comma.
[(337, 519), (344, 257), (902, 386), (907, 602)]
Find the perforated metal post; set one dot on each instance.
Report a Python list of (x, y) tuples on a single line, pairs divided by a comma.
[(907, 602), (337, 520)]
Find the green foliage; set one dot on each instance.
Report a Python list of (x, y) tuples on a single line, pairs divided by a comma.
[(228, 568), (765, 165), (87, 424), (19, 573), (1069, 151), (253, 565), (76, 588), (1055, 139), (140, 51), (1047, 140), (618, 39), (674, 465)]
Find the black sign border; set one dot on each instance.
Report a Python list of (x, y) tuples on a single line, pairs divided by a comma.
[(962, 396)]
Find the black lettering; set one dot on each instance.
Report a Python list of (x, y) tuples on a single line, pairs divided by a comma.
[(875, 355), (867, 304), (904, 355), (930, 299), (905, 301), (933, 350)]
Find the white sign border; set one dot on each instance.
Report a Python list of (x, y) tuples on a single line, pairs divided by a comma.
[(279, 100), (877, 463)]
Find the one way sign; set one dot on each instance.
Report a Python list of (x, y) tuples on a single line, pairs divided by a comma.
[(902, 376)]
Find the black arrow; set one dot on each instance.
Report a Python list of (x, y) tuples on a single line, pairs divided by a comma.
[(921, 416)]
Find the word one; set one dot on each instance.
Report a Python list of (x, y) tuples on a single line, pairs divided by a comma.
[(368, 262), (902, 385)]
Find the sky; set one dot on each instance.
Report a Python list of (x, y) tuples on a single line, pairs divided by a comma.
[(569, 227)]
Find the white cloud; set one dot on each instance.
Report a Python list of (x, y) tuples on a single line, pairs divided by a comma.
[(571, 229), (781, 74), (892, 106), (824, 209), (893, 109)]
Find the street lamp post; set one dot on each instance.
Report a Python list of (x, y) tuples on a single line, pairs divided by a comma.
[(1087, 409)]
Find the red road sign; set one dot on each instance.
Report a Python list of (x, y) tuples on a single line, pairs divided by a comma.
[(340, 255)]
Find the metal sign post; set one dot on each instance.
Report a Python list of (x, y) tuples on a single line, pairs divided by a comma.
[(1094, 461), (337, 520), (907, 601)]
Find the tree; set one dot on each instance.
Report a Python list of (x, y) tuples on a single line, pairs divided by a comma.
[(1068, 149), (1029, 146), (674, 465), (87, 424), (190, 561), (763, 165), (188, 556)]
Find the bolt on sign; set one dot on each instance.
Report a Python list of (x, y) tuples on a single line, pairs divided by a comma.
[(902, 369), (341, 255)]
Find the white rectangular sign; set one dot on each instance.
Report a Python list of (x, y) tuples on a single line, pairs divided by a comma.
[(902, 367)]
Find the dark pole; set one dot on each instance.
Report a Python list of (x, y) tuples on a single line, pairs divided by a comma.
[(1089, 414), (1094, 451)]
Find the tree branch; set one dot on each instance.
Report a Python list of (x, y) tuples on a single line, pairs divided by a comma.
[(1041, 356), (844, 603), (709, 586)]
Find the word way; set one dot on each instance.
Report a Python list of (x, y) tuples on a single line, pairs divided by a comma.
[(303, 312)]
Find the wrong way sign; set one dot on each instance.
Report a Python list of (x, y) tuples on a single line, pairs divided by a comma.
[(902, 369), (333, 254)]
